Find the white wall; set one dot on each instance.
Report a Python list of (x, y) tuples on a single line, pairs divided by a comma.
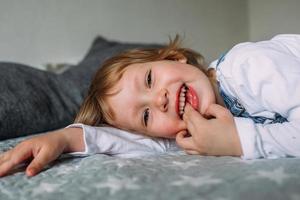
[(36, 32), (270, 17)]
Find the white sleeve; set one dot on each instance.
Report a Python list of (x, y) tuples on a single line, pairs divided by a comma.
[(289, 43), (270, 79), (116, 142), (268, 141)]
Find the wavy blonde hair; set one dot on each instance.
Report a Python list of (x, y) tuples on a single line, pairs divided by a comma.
[(94, 109)]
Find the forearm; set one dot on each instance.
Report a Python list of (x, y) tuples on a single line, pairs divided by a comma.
[(116, 142), (74, 140)]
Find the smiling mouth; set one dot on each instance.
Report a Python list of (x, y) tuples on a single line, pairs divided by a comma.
[(182, 100), (185, 94)]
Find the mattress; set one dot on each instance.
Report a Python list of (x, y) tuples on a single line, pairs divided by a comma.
[(167, 176)]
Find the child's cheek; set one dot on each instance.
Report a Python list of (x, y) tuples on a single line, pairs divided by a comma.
[(169, 130)]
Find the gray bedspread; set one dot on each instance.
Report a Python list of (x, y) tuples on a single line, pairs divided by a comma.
[(167, 176)]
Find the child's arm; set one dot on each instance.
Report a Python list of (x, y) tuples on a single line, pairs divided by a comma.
[(216, 136), (41, 150), (266, 77), (272, 78), (83, 140), (121, 143)]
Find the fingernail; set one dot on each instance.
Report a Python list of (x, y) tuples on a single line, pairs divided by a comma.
[(31, 171)]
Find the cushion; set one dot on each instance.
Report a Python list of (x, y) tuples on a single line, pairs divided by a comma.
[(34, 101)]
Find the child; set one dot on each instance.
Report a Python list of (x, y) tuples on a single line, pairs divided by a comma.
[(247, 103)]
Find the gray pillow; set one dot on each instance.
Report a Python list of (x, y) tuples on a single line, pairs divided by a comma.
[(34, 101)]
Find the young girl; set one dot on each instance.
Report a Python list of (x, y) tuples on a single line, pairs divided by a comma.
[(246, 103)]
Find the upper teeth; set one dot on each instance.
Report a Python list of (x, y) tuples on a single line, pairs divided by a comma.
[(182, 100)]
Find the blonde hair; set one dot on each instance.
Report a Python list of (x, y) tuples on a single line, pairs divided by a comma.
[(94, 109)]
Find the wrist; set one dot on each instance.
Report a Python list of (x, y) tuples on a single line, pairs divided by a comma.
[(74, 140)]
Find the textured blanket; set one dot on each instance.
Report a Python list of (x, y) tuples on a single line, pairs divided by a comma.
[(167, 176)]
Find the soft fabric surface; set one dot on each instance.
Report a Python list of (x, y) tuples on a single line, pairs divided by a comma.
[(167, 176), (33, 101)]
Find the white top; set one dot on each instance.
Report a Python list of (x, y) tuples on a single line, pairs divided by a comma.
[(117, 142), (264, 76)]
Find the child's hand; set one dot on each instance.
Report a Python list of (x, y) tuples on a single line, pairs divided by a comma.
[(217, 136), (43, 149)]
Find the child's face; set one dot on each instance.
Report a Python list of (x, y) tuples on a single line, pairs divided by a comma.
[(148, 100)]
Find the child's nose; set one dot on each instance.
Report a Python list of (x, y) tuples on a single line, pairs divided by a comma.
[(162, 100)]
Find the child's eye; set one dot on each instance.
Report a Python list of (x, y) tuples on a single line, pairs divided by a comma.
[(149, 79), (146, 116)]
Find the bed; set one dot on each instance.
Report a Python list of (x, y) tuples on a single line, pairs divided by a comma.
[(172, 175)]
